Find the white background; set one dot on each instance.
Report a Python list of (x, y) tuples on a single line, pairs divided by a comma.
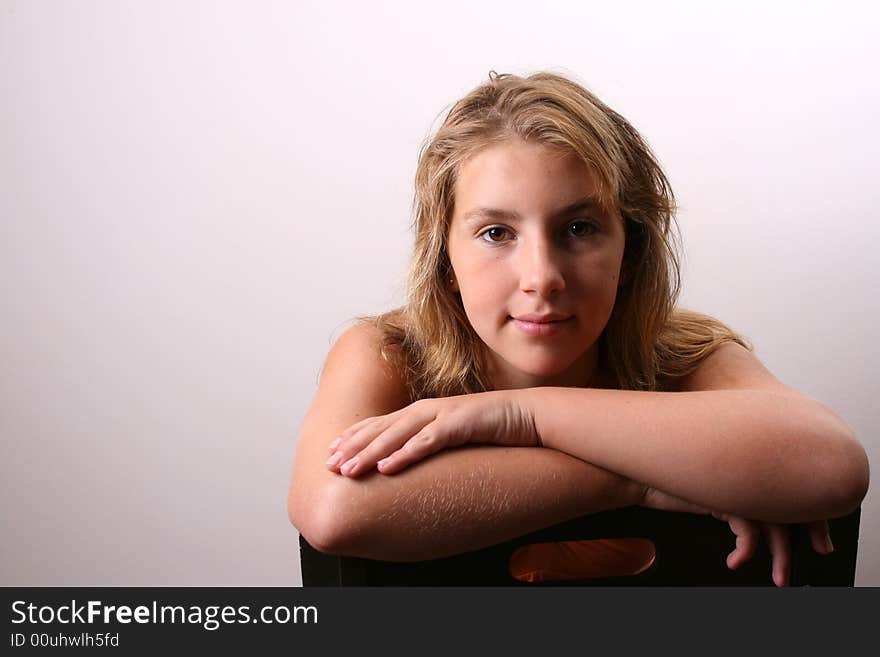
[(196, 196)]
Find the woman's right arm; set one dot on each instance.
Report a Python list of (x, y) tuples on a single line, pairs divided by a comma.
[(456, 501)]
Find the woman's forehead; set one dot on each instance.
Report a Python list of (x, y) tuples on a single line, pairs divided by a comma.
[(518, 159), (520, 173)]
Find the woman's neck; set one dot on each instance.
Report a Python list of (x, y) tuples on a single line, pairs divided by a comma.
[(585, 372)]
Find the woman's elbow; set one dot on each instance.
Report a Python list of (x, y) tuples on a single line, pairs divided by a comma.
[(861, 473), (851, 477), (321, 521)]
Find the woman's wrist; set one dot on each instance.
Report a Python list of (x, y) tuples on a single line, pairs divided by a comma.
[(526, 402), (536, 404)]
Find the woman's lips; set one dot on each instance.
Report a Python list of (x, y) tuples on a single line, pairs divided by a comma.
[(541, 329)]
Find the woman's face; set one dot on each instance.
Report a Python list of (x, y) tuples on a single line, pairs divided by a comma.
[(536, 261)]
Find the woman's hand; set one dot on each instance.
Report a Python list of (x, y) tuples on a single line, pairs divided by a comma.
[(748, 533), (394, 441)]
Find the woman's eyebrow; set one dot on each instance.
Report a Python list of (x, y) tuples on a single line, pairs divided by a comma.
[(586, 203)]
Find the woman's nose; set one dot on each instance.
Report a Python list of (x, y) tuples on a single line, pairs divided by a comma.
[(540, 268)]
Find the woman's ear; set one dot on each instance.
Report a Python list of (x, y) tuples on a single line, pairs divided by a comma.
[(453, 281)]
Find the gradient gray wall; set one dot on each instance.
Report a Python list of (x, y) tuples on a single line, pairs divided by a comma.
[(195, 197)]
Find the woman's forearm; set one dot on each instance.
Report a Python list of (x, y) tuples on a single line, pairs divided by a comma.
[(758, 454), (461, 500)]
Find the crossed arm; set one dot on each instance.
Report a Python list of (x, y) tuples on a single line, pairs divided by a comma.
[(457, 500), (473, 496)]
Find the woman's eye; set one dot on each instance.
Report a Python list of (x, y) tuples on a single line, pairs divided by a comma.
[(494, 234), (582, 228)]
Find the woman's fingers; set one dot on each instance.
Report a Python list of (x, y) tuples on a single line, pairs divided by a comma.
[(820, 536), (747, 534), (389, 456), (355, 437), (778, 541), (360, 452), (426, 442), (780, 549)]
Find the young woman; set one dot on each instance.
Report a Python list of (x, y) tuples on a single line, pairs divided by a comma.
[(540, 369)]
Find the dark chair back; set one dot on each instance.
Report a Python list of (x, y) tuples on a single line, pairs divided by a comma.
[(690, 550)]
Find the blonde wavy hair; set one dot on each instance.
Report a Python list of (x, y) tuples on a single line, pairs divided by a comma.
[(648, 342)]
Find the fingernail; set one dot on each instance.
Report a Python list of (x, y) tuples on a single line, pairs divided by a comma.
[(829, 546), (384, 462), (335, 444), (349, 466), (334, 460)]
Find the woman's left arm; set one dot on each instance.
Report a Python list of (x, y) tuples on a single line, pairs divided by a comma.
[(734, 439), (755, 453)]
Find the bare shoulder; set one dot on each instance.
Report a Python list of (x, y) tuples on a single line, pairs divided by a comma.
[(731, 367), (360, 369)]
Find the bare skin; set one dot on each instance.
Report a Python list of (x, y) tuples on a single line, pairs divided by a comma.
[(458, 500), (464, 498), (537, 265)]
